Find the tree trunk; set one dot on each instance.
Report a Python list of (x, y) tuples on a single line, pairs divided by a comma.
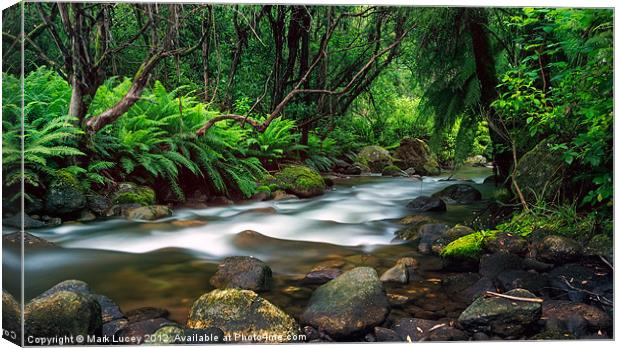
[(485, 71)]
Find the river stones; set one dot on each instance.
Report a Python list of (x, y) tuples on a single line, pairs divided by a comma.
[(507, 242), (64, 194), (501, 316), (572, 279), (109, 310), (150, 212), (11, 318), (383, 334), (349, 305), (564, 315), (415, 153), (242, 315), (494, 264), (242, 272), (429, 233), (146, 313), (301, 181), (30, 240), (459, 194), (396, 274), (413, 329), (425, 203), (558, 249), (515, 279), (72, 285), (63, 313), (15, 221), (374, 157)]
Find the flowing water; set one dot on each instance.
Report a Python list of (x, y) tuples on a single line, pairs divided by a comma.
[(168, 263)]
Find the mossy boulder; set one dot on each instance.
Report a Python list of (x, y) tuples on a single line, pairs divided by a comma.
[(558, 249), (600, 245), (374, 157), (241, 312), (301, 181), (501, 316), (449, 236), (393, 170), (130, 193), (63, 313), (64, 194), (242, 272), (415, 153), (150, 212), (540, 172), (348, 306), (11, 318)]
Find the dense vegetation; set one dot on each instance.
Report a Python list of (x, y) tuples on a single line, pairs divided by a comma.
[(210, 97)]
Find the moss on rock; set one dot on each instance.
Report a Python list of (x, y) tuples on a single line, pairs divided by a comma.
[(64, 194), (375, 158), (468, 246), (241, 312), (301, 181), (129, 193)]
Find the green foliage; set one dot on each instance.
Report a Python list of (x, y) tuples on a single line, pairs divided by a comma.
[(139, 195), (49, 135)]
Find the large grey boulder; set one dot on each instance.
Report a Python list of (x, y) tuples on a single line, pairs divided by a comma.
[(242, 272), (348, 306)]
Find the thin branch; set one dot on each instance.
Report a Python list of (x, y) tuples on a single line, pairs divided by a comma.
[(515, 298)]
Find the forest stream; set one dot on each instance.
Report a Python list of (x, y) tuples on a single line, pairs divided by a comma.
[(168, 263)]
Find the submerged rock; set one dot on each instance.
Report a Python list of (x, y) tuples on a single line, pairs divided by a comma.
[(413, 329), (501, 316), (425, 203), (63, 313), (415, 153), (301, 181), (29, 240), (429, 233), (150, 212), (241, 312), (64, 194), (242, 272), (375, 158), (348, 306), (459, 194)]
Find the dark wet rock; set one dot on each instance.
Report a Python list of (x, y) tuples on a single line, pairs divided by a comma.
[(393, 171), (139, 329), (374, 157), (150, 212), (146, 313), (515, 279), (311, 333), (540, 172), (342, 167), (429, 233), (447, 333), (63, 313), (477, 289), (64, 194), (566, 315), (112, 328), (552, 335), (240, 312), (30, 240), (15, 221), (370, 338), (449, 236), (98, 204), (573, 278), (322, 276), (32, 206), (480, 336), (220, 200), (558, 250), (533, 264), (501, 316), (130, 193), (494, 264), (349, 305), (383, 334), (242, 272), (301, 181), (261, 196), (72, 285), (459, 194), (396, 274), (122, 209), (11, 318), (415, 153), (413, 329), (425, 203), (281, 195), (457, 283), (506, 242), (490, 180), (109, 310)]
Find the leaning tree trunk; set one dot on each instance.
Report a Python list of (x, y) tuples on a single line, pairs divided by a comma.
[(485, 71)]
